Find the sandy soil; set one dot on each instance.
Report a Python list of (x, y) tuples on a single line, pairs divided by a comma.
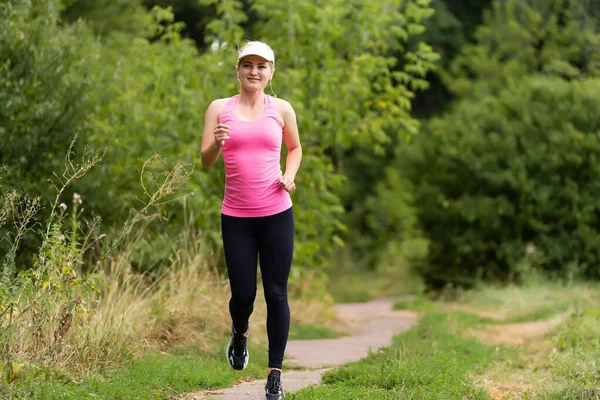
[(530, 337), (370, 326), (520, 333)]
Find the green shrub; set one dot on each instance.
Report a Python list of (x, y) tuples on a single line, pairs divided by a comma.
[(45, 78), (519, 38), (509, 181)]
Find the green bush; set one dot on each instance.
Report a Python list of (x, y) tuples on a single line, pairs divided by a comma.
[(511, 180), (44, 81), (519, 38)]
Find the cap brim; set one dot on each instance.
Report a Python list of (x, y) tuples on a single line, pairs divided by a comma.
[(253, 54), (257, 51)]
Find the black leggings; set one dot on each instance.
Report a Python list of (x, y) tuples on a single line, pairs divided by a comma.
[(271, 240)]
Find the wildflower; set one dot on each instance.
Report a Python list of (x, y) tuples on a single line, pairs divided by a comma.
[(77, 199), (62, 207), (61, 238)]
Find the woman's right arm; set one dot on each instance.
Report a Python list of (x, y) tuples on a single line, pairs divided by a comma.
[(210, 149)]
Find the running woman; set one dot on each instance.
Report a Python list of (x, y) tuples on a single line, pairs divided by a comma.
[(257, 219)]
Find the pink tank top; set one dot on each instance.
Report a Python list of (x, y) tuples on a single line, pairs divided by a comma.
[(252, 164)]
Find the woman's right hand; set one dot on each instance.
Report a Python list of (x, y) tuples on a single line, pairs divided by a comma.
[(221, 134)]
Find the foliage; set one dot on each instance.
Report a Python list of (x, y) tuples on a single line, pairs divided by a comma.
[(509, 181), (40, 306), (386, 238), (342, 83), (451, 28), (108, 16), (45, 80), (51, 315), (504, 179), (518, 38), (58, 322), (152, 103), (195, 14), (445, 30)]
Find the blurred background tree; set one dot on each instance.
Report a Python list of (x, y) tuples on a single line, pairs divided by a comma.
[(144, 79), (454, 156), (504, 180)]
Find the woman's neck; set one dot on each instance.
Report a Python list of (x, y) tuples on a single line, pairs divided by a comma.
[(252, 99)]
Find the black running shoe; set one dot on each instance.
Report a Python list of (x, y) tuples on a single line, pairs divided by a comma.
[(236, 351), (273, 388)]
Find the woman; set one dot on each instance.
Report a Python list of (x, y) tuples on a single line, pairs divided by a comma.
[(257, 219)]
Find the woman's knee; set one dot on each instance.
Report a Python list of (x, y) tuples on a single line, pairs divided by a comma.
[(276, 298), (243, 299)]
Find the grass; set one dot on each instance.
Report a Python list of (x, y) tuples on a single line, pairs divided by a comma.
[(447, 355), (133, 338), (363, 286), (161, 375), (450, 354), (426, 362), (311, 331), (155, 376), (351, 281), (186, 314), (352, 288), (417, 304), (423, 304)]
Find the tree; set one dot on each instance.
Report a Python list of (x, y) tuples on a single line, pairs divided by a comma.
[(554, 37), (450, 29), (106, 17), (509, 183), (142, 94), (45, 79)]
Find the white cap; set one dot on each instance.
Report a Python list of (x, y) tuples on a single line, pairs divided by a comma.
[(258, 49)]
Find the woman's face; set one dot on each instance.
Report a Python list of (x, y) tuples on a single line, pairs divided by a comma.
[(254, 72)]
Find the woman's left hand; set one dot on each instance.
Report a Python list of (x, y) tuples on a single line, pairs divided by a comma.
[(287, 184)]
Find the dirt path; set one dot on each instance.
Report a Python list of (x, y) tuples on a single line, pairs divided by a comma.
[(370, 326)]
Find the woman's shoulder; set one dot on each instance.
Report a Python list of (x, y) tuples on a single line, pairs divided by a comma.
[(281, 105), (218, 104), (284, 110), (280, 102), (216, 107)]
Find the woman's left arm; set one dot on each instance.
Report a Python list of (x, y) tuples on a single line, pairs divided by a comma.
[(294, 148)]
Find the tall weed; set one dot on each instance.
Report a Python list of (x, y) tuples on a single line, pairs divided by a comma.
[(54, 314)]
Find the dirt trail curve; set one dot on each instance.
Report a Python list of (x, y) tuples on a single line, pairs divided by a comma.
[(369, 325)]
